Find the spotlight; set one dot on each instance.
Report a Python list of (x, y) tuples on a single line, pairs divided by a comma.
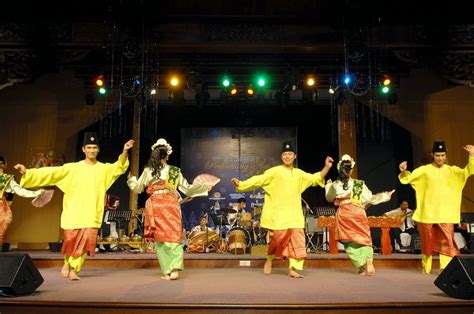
[(102, 90), (347, 79), (250, 90), (333, 90), (226, 82), (260, 81), (100, 81), (153, 91), (310, 81), (233, 91), (174, 81)]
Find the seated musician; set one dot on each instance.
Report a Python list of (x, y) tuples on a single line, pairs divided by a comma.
[(203, 220), (408, 225), (239, 208)]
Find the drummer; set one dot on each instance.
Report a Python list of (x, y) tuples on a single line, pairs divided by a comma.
[(203, 220), (239, 209)]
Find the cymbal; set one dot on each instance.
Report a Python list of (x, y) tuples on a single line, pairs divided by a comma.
[(229, 210)]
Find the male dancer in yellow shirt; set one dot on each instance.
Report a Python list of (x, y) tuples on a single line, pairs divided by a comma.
[(438, 189), (282, 213), (84, 184)]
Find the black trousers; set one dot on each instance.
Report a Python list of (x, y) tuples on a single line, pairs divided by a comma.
[(395, 235)]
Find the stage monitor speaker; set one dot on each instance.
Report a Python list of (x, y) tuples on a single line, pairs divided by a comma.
[(456, 280), (18, 274)]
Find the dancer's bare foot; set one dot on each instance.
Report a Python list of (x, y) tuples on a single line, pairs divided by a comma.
[(165, 277), (361, 271), (73, 275), (423, 272), (174, 275), (370, 269), (294, 274), (65, 271), (267, 268)]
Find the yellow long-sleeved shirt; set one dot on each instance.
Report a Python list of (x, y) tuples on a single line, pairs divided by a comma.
[(283, 187), (438, 191), (84, 188)]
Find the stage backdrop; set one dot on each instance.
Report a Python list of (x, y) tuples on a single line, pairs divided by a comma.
[(228, 153)]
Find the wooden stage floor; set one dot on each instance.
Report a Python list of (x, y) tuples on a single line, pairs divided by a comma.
[(130, 283)]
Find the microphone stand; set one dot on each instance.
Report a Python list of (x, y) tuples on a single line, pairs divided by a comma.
[(206, 249)]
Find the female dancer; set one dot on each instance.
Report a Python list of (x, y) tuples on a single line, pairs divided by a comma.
[(162, 209), (352, 197)]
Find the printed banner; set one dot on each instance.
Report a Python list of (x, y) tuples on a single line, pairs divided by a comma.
[(229, 153)]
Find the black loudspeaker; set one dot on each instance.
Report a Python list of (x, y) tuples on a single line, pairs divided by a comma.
[(18, 274), (456, 280)]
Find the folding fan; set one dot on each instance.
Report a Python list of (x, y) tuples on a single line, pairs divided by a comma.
[(43, 199), (206, 179)]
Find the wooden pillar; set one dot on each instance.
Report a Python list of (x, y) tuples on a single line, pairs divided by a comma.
[(135, 161), (347, 130)]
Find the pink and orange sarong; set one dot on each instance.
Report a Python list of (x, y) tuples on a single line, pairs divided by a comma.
[(163, 215), (6, 217), (437, 238), (352, 224), (289, 243), (79, 241)]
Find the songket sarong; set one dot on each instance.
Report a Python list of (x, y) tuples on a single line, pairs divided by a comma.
[(289, 243), (162, 215), (352, 224), (437, 238), (79, 241), (5, 218)]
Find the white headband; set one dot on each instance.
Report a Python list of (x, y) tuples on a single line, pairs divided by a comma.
[(343, 158), (163, 142)]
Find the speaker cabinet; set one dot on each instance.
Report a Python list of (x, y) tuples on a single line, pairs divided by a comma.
[(456, 280), (18, 274)]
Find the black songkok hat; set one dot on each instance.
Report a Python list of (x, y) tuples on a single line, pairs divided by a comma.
[(90, 138), (2, 159), (439, 147), (288, 147)]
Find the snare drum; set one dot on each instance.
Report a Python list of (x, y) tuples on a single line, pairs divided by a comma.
[(238, 239), (199, 242)]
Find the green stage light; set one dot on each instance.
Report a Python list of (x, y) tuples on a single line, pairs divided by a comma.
[(102, 90)]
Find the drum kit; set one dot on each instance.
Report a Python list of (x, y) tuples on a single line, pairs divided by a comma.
[(243, 233)]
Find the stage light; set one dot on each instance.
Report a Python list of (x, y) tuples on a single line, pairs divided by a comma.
[(153, 91), (102, 90), (260, 81), (347, 79), (174, 81), (333, 90), (386, 81), (226, 82), (310, 81), (385, 89), (250, 91), (99, 81), (233, 91)]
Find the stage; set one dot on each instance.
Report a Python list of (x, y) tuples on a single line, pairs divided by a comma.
[(213, 282)]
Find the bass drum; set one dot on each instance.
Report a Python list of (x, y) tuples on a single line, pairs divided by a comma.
[(238, 240)]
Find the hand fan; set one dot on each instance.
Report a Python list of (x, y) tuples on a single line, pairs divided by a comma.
[(206, 179), (43, 199)]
